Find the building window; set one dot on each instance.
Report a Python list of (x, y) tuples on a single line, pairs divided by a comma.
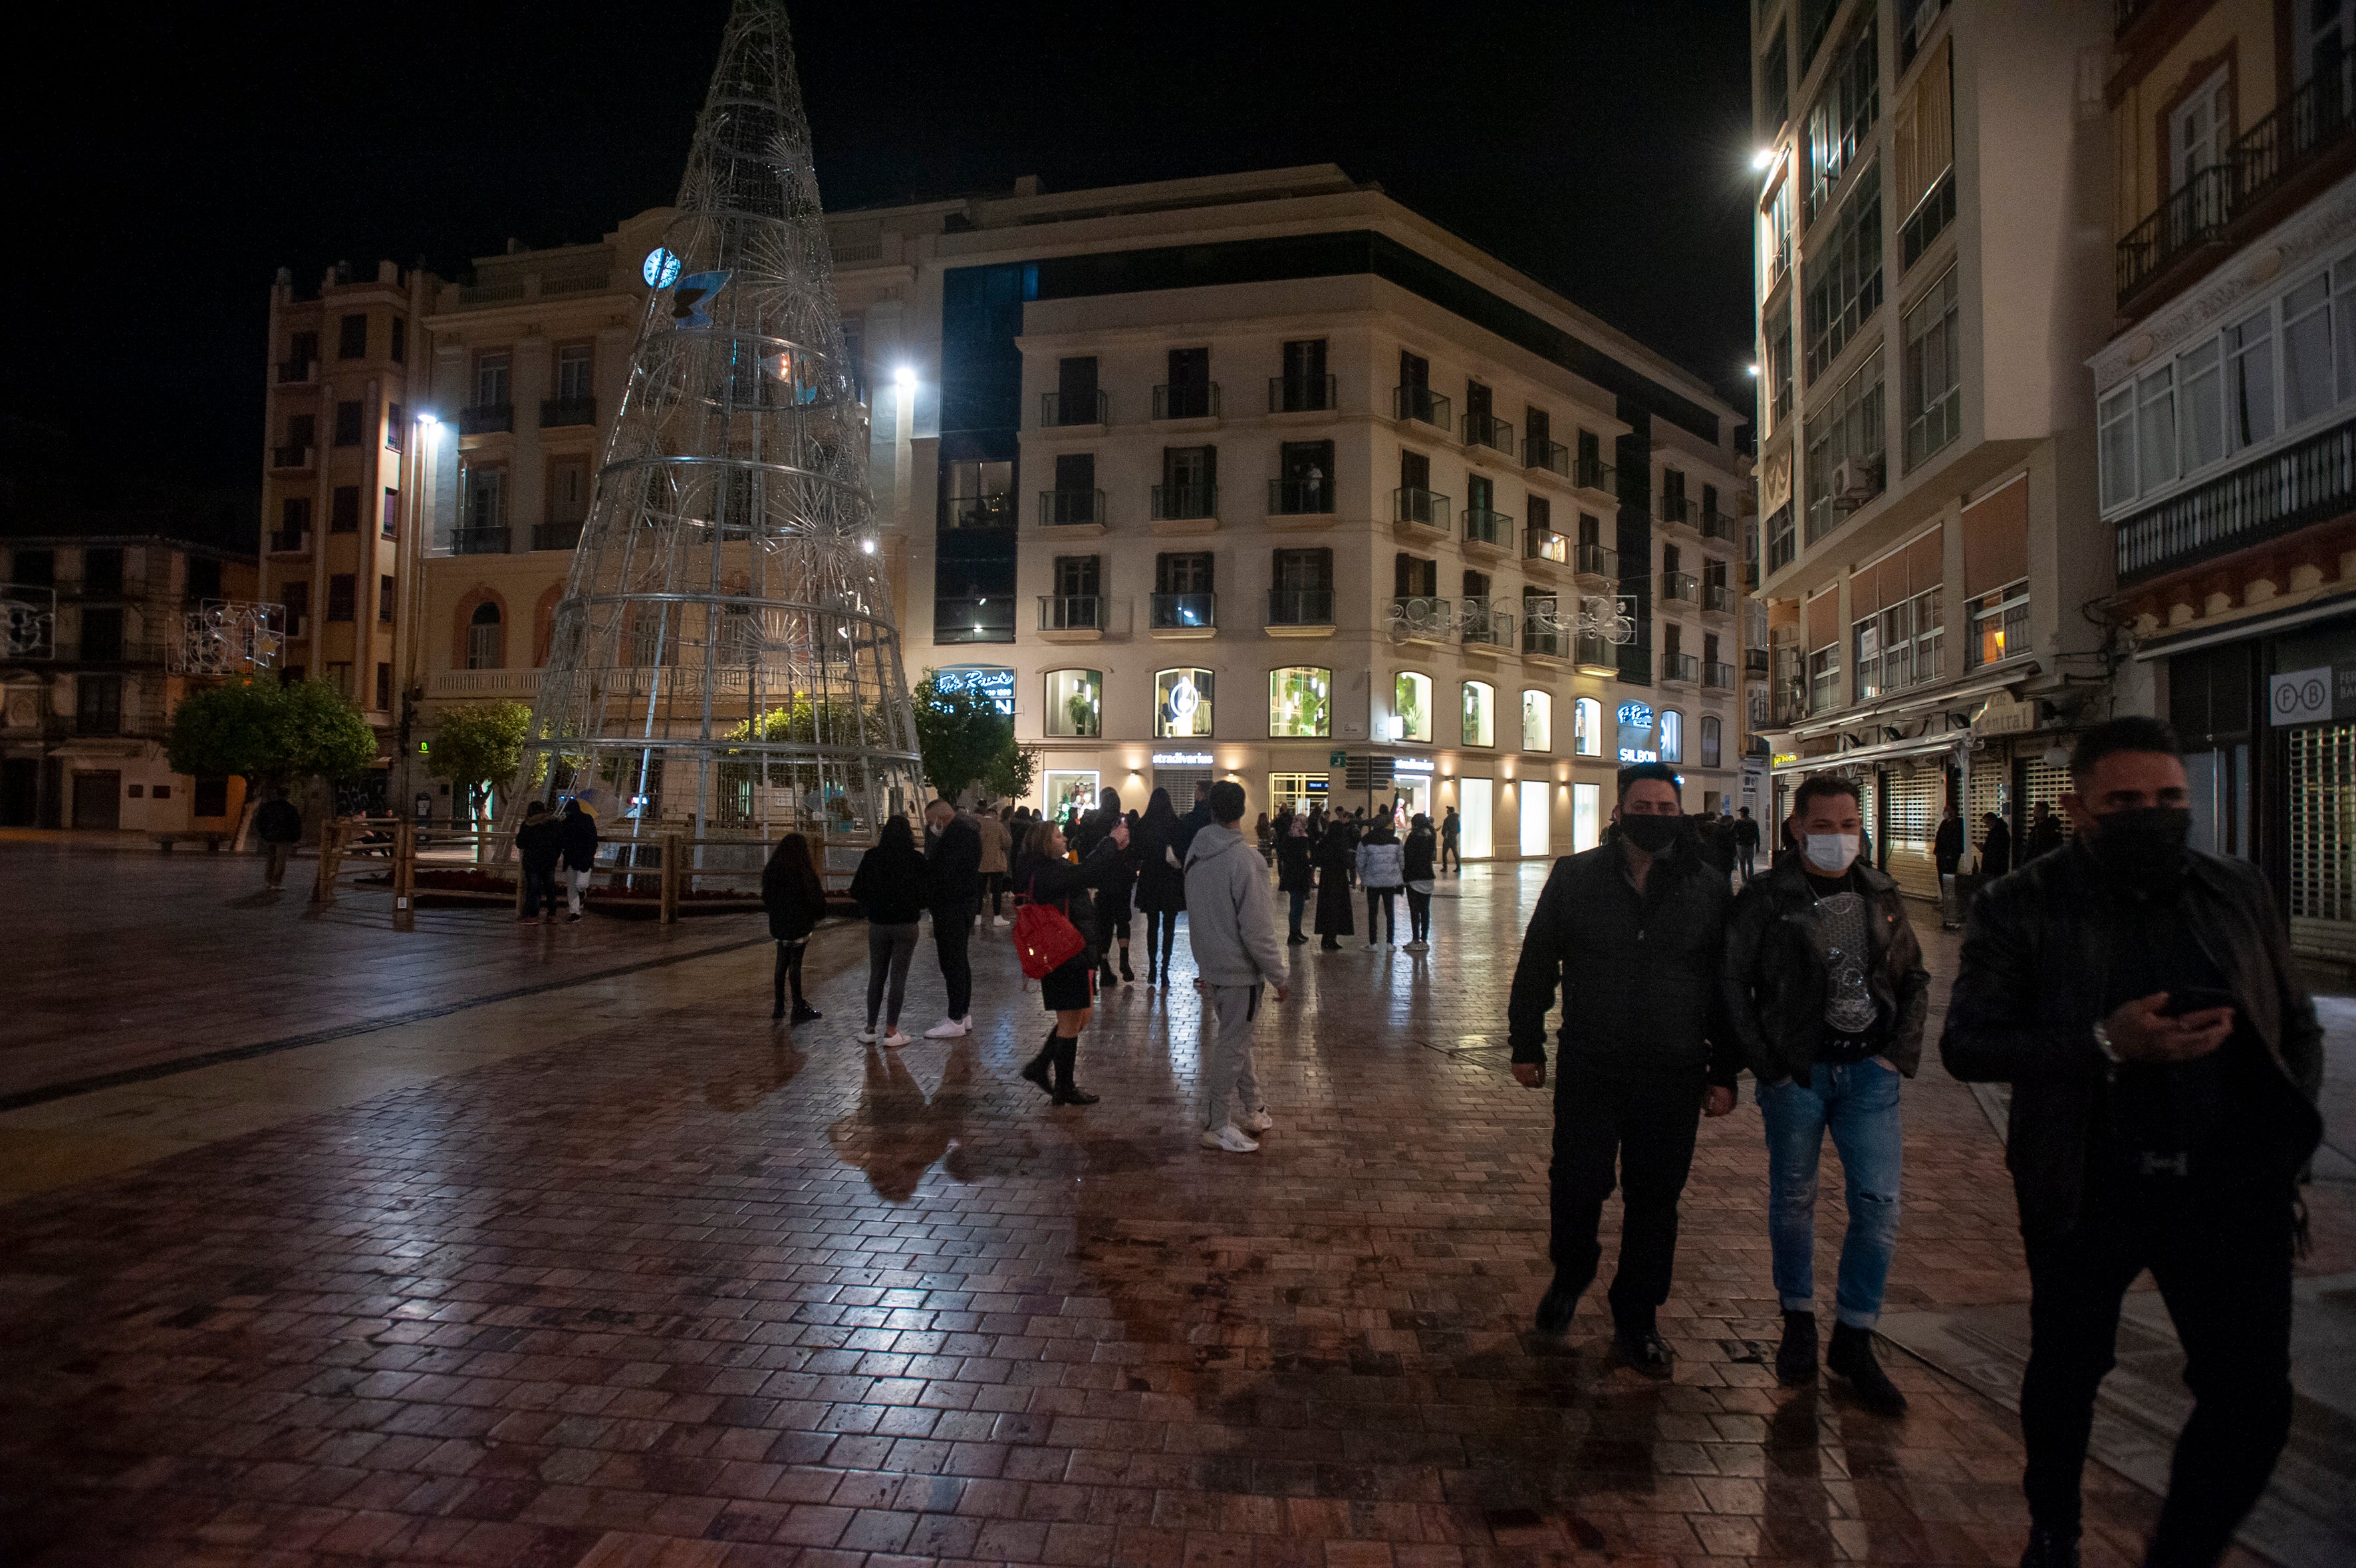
[(343, 509), (302, 352), (102, 574), (1411, 707), (339, 676), (1933, 388), (1710, 748), (1302, 590), (98, 704), (1783, 539), (400, 340), (1183, 595), (1779, 367), (1190, 483), (351, 337), (1775, 83), (487, 642), (295, 593), (979, 494), (1841, 282), (384, 688), (1923, 153), (574, 362), (1074, 702), (1304, 481), (1845, 442), (1673, 736), (1303, 386), (1823, 678), (491, 379), (102, 634), (342, 592), (1898, 646), (483, 497), (1996, 625), (1537, 721), (1182, 705), (1480, 713), (1587, 726), (1414, 576), (2115, 441), (1299, 702), (347, 424), (1844, 111), (396, 424), (384, 599), (392, 525), (1815, 21)]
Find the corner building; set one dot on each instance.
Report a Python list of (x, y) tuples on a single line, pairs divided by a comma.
[(1931, 173)]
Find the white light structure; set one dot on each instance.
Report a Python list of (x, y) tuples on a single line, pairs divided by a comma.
[(28, 621), (229, 637)]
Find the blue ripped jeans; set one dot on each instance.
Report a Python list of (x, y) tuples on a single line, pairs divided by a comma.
[(1860, 1106)]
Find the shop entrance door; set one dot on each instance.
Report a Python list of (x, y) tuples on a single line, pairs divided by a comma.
[(98, 801)]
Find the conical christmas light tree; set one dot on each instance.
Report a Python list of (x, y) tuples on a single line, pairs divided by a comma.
[(725, 655)]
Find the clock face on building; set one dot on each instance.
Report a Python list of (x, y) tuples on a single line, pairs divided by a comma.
[(661, 270)]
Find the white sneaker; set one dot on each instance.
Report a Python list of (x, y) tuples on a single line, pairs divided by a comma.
[(946, 1029), (1419, 947), (1258, 1121), (895, 1040), (867, 1035), (1231, 1139)]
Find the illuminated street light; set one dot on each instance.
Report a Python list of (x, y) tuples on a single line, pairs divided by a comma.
[(1762, 158), (904, 376)]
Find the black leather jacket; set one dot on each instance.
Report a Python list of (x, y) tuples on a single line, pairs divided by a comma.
[(1775, 983), (2034, 973)]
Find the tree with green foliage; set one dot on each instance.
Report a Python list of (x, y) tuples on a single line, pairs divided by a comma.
[(960, 735), (1011, 772), (479, 746), (269, 732)]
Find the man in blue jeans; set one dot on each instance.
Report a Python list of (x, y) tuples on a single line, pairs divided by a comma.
[(1826, 988)]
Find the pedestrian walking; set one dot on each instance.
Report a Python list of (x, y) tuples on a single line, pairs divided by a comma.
[(2044, 832), (278, 824), (1092, 823), (997, 847), (1231, 926), (1381, 868), (1043, 876), (1337, 864), (1636, 932), (1422, 847), (953, 895), (1947, 855), (538, 846), (577, 834), (1194, 821), (1451, 833), (1296, 871), (1746, 845), (1827, 991), (1161, 885), (1113, 901), (1995, 846), (889, 888), (2165, 1062), (796, 902)]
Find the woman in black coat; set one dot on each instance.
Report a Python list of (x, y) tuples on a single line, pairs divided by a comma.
[(1161, 880), (1337, 864), (1296, 871), (1042, 876), (796, 901), (1422, 852), (1113, 900), (1996, 849)]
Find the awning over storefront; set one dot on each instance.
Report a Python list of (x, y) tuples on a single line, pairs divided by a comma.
[(1921, 746), (1979, 683), (2252, 625)]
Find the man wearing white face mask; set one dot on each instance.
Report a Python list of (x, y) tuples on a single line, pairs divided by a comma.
[(1827, 991)]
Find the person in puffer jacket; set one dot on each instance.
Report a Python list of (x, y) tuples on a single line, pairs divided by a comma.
[(1382, 872)]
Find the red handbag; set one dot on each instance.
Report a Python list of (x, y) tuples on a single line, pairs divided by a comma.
[(1045, 940)]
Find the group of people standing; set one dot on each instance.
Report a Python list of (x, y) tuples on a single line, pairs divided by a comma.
[(1325, 857)]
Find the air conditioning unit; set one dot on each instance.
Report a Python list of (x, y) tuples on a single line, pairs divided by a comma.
[(1856, 482)]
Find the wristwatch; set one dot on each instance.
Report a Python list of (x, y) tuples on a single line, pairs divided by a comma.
[(2103, 1043)]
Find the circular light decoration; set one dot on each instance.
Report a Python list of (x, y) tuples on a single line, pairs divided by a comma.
[(661, 270), (1183, 700)]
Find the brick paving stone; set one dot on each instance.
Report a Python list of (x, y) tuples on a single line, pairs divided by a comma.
[(666, 1286)]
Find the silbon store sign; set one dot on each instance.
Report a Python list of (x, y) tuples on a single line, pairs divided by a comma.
[(1636, 734)]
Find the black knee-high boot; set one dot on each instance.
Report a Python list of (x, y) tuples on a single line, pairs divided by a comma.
[(1035, 1070), (778, 1010), (803, 1012), (1068, 1053), (1169, 938)]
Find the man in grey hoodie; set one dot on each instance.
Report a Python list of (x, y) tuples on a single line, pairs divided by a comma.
[(1231, 921)]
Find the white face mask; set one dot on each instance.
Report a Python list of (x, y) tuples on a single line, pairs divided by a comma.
[(1831, 853)]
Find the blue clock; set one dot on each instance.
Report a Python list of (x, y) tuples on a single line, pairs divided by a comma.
[(661, 270)]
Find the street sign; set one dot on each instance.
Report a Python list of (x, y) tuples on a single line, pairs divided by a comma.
[(1337, 759)]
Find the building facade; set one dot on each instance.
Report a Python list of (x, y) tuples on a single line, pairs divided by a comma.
[(1932, 174), (2226, 408)]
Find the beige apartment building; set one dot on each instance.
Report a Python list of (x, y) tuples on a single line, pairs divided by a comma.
[(1261, 476), (1935, 177), (2226, 408)]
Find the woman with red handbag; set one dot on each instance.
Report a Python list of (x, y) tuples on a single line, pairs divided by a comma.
[(1051, 894)]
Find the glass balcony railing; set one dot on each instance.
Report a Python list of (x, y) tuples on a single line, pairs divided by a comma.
[(1680, 669), (1185, 612), (1493, 528), (1551, 456), (1488, 430), (1427, 509), (975, 617), (1717, 676), (1301, 394), (1299, 497), (1594, 474), (1183, 400), (1066, 509), (490, 541), (1679, 588), (1717, 598), (1546, 544), (1178, 502), (1071, 612), (1678, 510), (1423, 403), (1594, 653), (1596, 562), (1057, 410), (1715, 524), (1300, 606)]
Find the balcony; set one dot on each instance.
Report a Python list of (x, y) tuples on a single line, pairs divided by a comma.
[(1715, 524), (290, 541), (2281, 492), (555, 535), (1679, 588), (1551, 456), (1059, 411), (1493, 529), (1071, 509), (1186, 503), (492, 540), (1071, 617), (1422, 508), (1543, 544), (1679, 669), (1178, 400), (1754, 662), (1680, 511), (982, 512), (485, 418), (1309, 610), (557, 411), (1717, 676), (1595, 567), (1543, 636), (292, 372), (1594, 474), (1300, 498), (2227, 202), (1595, 655), (1421, 619), (1185, 615), (288, 457), (1483, 625), (1302, 394), (1488, 430), (1423, 403), (981, 618), (1717, 599)]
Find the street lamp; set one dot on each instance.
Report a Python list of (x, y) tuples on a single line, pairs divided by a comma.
[(1762, 158)]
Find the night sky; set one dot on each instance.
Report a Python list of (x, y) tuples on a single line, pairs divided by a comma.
[(1603, 148)]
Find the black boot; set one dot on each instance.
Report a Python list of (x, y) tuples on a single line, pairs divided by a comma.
[(2049, 1549), (1296, 939), (1035, 1070), (1850, 1355), (805, 1014), (1068, 1054), (1125, 975), (1636, 1340), (1105, 978), (1795, 1359), (1554, 1307)]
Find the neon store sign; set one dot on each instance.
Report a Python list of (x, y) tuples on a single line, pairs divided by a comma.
[(1636, 734)]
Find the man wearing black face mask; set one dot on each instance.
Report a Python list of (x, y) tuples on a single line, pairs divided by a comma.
[(1635, 932), (2165, 1062)]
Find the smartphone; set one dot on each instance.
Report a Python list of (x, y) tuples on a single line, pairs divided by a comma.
[(2196, 999)]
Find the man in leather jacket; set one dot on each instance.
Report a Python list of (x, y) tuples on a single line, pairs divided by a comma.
[(2164, 1062), (1827, 991)]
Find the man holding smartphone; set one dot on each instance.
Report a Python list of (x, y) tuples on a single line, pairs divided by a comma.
[(2164, 1062)]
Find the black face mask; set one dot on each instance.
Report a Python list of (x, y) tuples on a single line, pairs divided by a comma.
[(1651, 834), (2142, 845)]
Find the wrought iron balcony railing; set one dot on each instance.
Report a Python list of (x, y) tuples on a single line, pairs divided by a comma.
[(1182, 400), (2284, 490), (485, 418), (492, 540), (561, 411), (1057, 410), (1176, 502), (1300, 498)]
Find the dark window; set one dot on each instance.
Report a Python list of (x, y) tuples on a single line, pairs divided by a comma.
[(1076, 473), (1709, 500), (36, 568), (1709, 648), (102, 574), (391, 529), (1415, 471), (1591, 528), (383, 600), (295, 593), (1190, 480), (102, 635), (1774, 85), (1305, 480), (1075, 391), (351, 337), (340, 592), (1183, 572), (345, 516), (301, 430), (1305, 571), (302, 348), (98, 704), (1305, 384), (1480, 494), (1190, 384), (1476, 584), (293, 518), (400, 345), (384, 687), (1305, 360), (211, 798), (1538, 425), (347, 424), (1591, 450), (1845, 110), (1541, 512), (204, 578), (1415, 371), (1414, 577), (396, 424), (1668, 558), (1478, 399), (1078, 577), (1672, 640), (1815, 20)]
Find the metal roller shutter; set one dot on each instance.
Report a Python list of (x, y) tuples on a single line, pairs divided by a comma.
[(1910, 822), (2040, 782), (2322, 833), (1991, 770)]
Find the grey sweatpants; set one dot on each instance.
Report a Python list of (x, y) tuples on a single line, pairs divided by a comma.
[(1229, 1011)]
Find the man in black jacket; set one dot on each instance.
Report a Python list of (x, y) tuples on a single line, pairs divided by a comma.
[(2164, 1061), (1826, 992), (953, 893), (1635, 933), (1947, 855)]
